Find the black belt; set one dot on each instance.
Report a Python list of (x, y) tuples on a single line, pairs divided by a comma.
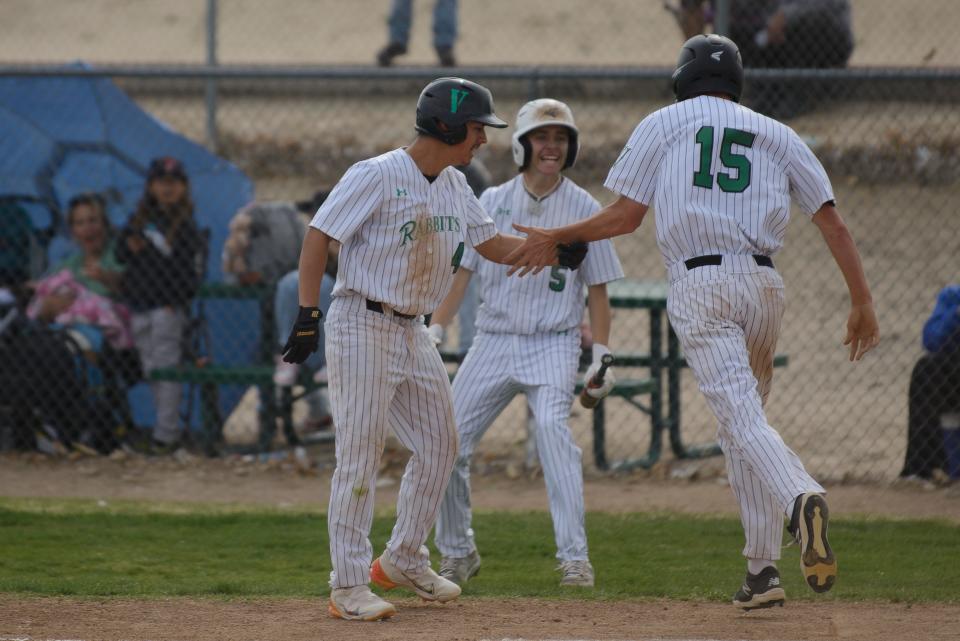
[(717, 259), (374, 306)]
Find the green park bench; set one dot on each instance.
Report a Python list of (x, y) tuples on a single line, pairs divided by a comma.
[(657, 395)]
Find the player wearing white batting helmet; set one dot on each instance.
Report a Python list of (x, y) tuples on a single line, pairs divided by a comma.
[(531, 348), (403, 220), (721, 178), (544, 112)]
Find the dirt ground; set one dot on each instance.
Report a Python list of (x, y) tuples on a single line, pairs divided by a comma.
[(467, 619), (282, 484), (894, 32), (499, 484)]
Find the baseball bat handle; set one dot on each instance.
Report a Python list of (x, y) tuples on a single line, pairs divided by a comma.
[(595, 381)]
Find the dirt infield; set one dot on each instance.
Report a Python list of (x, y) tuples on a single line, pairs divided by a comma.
[(500, 485), (468, 619)]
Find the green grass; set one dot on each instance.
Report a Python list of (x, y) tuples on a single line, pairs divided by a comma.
[(80, 548)]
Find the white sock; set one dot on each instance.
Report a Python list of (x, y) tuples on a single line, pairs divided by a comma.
[(755, 566)]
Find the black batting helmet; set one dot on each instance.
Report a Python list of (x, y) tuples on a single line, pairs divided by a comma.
[(708, 64), (446, 105)]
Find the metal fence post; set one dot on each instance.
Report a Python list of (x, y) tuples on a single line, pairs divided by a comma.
[(211, 83), (721, 21)]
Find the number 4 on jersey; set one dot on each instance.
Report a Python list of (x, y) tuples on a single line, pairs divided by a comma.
[(737, 162), (457, 257)]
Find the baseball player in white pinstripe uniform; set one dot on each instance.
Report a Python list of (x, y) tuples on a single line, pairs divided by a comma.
[(403, 220), (720, 177), (528, 341)]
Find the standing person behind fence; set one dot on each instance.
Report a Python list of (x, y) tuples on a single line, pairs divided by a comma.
[(781, 34), (934, 387), (403, 220), (161, 249), (529, 342), (720, 177), (444, 31)]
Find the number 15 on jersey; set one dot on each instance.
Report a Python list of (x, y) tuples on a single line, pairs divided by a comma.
[(738, 178)]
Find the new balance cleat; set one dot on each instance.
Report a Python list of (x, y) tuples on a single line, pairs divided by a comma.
[(460, 569), (760, 590), (809, 527), (428, 585), (359, 604), (576, 574)]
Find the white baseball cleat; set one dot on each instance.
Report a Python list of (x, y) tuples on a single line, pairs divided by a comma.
[(460, 569), (576, 574), (359, 604), (428, 585)]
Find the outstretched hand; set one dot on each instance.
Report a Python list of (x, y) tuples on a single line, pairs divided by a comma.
[(863, 330), (539, 250)]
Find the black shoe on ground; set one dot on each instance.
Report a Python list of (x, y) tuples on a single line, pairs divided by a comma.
[(160, 448), (445, 57), (808, 526), (386, 55), (760, 590)]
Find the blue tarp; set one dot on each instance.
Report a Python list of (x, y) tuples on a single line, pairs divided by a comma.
[(60, 136)]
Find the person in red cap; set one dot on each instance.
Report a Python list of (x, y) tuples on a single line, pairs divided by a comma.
[(162, 250)]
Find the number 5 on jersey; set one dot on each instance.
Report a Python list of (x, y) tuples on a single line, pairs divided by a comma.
[(738, 163)]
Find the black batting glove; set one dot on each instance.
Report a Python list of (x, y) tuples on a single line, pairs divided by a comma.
[(304, 337), (571, 254)]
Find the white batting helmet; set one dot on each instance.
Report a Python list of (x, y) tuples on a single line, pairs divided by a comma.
[(541, 113)]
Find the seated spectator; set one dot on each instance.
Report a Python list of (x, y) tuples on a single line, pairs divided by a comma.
[(162, 252), (934, 387), (786, 34), (285, 306), (81, 290), (285, 309), (263, 247), (264, 240), (42, 396)]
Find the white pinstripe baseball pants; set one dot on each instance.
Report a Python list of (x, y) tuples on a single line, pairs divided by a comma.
[(497, 368), (728, 320), (384, 371)]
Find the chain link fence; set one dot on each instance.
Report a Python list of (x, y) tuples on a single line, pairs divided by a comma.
[(888, 138), (493, 32)]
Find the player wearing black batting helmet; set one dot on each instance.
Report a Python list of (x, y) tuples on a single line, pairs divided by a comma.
[(708, 64), (446, 105)]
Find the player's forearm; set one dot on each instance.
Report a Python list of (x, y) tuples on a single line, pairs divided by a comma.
[(499, 247), (313, 261), (451, 303), (598, 308), (844, 251), (620, 217)]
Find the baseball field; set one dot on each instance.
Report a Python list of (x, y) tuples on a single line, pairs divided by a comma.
[(190, 549)]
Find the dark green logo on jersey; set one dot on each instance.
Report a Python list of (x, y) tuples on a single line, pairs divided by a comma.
[(456, 99), (423, 227), (401, 191), (502, 211)]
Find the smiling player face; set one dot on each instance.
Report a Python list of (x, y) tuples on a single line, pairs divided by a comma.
[(476, 137), (548, 149)]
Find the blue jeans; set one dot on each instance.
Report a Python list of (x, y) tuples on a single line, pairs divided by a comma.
[(286, 304), (444, 22)]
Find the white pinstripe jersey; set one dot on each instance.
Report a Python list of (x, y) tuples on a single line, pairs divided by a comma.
[(553, 299), (719, 176), (402, 236)]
